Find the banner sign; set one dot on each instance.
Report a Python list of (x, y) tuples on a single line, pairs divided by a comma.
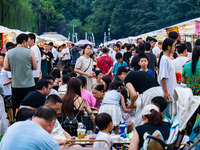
[(105, 38), (86, 37), (1, 42), (168, 30), (69, 36), (197, 27)]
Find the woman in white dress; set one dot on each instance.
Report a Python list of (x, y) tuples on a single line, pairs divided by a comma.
[(84, 65)]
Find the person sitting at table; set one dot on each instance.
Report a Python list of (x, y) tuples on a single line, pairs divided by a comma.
[(153, 120), (74, 104), (85, 94), (98, 92), (35, 99), (105, 125)]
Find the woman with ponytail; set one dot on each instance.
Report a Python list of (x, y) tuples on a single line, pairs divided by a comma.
[(167, 77), (191, 72), (152, 121)]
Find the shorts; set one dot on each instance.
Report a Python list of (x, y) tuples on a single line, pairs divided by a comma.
[(67, 61), (8, 101), (18, 95)]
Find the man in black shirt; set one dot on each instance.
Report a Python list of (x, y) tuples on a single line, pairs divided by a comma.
[(152, 59), (128, 54), (35, 99), (49, 57), (142, 87), (138, 82)]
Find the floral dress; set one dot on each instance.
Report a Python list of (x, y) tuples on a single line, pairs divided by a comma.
[(192, 80)]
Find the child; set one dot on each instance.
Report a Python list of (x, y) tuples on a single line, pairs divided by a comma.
[(128, 117), (161, 103), (111, 104), (104, 123), (5, 80), (143, 64), (118, 64)]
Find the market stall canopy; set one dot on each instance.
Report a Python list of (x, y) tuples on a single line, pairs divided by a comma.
[(83, 42), (6, 30), (185, 28), (52, 36)]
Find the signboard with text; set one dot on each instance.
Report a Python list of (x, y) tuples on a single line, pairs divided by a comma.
[(1, 42)]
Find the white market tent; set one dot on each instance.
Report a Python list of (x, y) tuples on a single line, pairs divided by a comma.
[(186, 28), (83, 42), (52, 36)]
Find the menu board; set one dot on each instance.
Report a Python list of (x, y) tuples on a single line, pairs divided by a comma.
[(1, 42)]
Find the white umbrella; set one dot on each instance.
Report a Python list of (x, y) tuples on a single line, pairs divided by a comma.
[(83, 42), (52, 36)]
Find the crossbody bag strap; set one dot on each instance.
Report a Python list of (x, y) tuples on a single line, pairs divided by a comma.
[(105, 61), (88, 66)]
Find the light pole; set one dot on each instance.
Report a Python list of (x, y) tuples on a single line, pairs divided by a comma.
[(73, 32), (74, 26)]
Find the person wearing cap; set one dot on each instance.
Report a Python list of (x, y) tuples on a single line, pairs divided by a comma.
[(152, 121)]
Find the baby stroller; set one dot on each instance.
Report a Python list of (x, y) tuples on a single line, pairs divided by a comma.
[(185, 104)]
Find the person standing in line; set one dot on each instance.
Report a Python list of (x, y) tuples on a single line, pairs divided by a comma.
[(21, 61), (49, 57), (5, 80), (105, 63), (127, 55), (117, 49), (66, 55), (75, 53), (55, 53), (167, 77), (155, 49), (84, 65), (36, 50), (152, 59), (180, 60)]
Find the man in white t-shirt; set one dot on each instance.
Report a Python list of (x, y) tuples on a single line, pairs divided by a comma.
[(58, 132), (54, 52), (36, 51), (181, 59), (66, 55), (155, 49), (117, 49)]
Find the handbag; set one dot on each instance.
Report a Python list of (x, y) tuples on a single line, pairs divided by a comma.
[(71, 125)]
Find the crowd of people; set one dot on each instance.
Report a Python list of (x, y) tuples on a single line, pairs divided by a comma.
[(46, 91)]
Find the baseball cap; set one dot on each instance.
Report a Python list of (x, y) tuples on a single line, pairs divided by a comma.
[(147, 109)]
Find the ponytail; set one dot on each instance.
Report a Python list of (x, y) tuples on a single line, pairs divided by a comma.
[(155, 118), (161, 54), (167, 42), (195, 58)]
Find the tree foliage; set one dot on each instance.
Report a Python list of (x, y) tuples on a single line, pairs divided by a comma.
[(124, 17)]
